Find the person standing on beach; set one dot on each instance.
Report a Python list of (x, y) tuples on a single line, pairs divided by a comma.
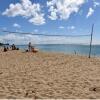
[(29, 46)]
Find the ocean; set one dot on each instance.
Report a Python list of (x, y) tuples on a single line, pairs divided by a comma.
[(66, 48)]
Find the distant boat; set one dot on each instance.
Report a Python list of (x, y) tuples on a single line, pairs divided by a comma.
[(1, 44)]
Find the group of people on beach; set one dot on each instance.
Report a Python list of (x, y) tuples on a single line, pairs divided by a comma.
[(13, 47)]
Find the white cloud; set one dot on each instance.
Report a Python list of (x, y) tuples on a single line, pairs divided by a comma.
[(90, 12), (95, 3), (53, 16), (26, 9), (38, 19), (18, 39), (63, 8), (71, 27), (16, 25), (61, 27)]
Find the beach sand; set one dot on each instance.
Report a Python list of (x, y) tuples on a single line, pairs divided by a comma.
[(45, 75)]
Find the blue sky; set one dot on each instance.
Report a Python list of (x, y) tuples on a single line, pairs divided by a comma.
[(49, 17)]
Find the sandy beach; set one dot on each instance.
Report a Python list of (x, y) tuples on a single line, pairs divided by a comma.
[(45, 75)]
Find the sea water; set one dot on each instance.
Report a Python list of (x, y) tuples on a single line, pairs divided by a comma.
[(66, 48)]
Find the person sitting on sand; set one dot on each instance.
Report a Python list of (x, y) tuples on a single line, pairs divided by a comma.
[(5, 49), (13, 47)]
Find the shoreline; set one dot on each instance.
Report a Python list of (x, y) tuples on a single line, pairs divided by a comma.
[(67, 49), (55, 52)]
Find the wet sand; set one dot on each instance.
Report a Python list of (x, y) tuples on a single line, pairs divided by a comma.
[(48, 76)]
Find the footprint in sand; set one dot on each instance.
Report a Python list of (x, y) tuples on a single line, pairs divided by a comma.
[(95, 89)]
